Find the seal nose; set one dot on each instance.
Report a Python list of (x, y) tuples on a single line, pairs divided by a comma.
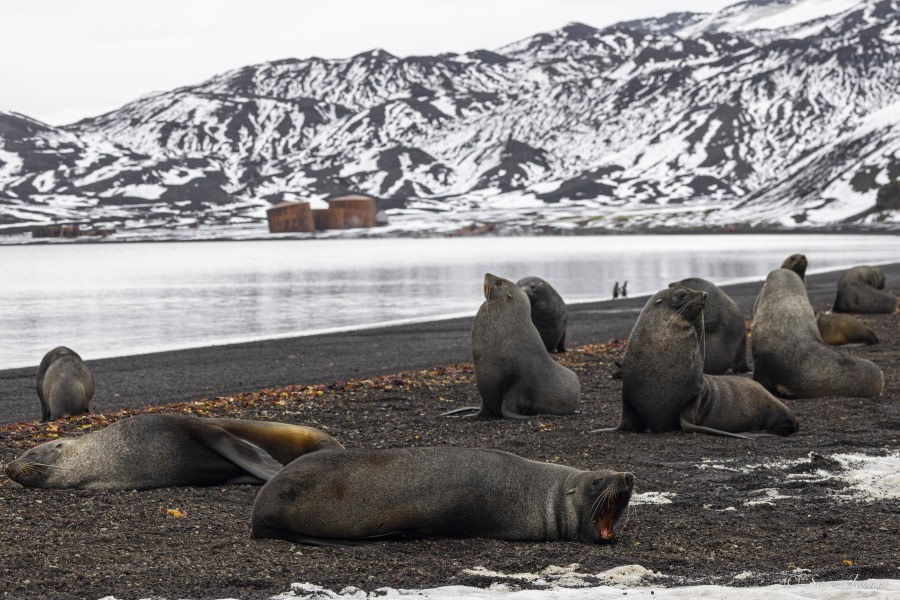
[(629, 478)]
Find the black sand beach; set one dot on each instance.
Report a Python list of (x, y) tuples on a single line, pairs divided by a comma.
[(739, 512), (183, 375)]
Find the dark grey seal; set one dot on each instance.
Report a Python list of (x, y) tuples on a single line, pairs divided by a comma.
[(151, 451), (840, 329), (548, 312), (862, 290), (798, 264), (65, 385), (359, 495), (789, 355), (722, 332), (664, 388), (513, 372)]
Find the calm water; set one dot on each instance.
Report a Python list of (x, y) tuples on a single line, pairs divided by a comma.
[(116, 299)]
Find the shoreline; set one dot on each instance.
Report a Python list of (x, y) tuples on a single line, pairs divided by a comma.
[(142, 380)]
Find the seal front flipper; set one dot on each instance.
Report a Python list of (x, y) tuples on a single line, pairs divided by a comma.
[(630, 421), (688, 427), (244, 454)]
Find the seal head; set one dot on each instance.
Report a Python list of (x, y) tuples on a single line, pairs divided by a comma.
[(548, 312)]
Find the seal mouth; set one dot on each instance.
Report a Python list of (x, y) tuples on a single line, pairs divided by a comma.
[(612, 503)]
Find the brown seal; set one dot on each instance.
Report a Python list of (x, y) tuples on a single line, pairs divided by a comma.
[(862, 290), (548, 312), (65, 385), (789, 355), (837, 330), (664, 388), (159, 450), (359, 495), (722, 332), (513, 372)]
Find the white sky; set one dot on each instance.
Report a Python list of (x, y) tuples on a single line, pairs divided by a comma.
[(63, 60)]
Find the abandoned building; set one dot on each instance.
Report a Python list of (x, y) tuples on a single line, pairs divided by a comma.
[(56, 231), (347, 211)]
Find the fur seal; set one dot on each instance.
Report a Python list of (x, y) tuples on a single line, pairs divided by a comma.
[(664, 388), (513, 372), (65, 385), (365, 495), (789, 355), (159, 450), (548, 312), (837, 330), (861, 290), (796, 263), (722, 333)]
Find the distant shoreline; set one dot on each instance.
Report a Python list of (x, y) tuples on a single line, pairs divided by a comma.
[(256, 236)]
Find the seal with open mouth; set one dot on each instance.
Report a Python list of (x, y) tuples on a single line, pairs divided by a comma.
[(335, 498)]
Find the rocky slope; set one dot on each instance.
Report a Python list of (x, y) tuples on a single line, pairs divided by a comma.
[(769, 113)]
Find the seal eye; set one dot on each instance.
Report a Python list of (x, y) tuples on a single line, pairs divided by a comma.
[(59, 445)]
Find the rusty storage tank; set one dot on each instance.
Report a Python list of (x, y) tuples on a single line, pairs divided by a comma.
[(290, 217), (328, 218), (358, 210)]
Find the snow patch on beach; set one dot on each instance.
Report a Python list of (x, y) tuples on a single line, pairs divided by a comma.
[(874, 589), (652, 498), (868, 478)]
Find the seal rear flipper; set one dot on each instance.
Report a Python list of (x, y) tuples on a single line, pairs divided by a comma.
[(242, 453), (688, 427), (459, 410), (561, 346)]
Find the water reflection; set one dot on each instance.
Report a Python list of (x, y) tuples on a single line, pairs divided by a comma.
[(114, 299)]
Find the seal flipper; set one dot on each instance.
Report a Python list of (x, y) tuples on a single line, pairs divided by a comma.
[(630, 421), (459, 410), (242, 453), (688, 427), (561, 346)]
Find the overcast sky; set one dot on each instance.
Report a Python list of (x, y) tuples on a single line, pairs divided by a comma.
[(63, 60)]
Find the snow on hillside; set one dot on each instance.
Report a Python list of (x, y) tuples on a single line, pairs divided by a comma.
[(768, 113)]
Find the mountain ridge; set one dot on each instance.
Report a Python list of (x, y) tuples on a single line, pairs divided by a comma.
[(685, 121)]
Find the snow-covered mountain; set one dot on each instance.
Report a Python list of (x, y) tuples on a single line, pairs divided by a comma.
[(768, 113)]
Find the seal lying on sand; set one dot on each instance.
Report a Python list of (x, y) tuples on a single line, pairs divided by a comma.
[(513, 372), (358, 495), (837, 330), (663, 385), (548, 312), (861, 290), (151, 451), (789, 355), (65, 385), (722, 333)]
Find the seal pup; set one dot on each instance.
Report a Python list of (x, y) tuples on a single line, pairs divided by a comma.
[(664, 388), (513, 372), (548, 312), (840, 329), (722, 333), (334, 498), (861, 290), (159, 450), (65, 385), (789, 355)]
